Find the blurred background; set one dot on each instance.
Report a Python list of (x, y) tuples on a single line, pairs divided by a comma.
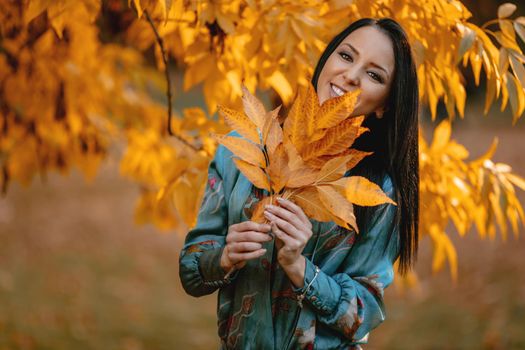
[(77, 273)]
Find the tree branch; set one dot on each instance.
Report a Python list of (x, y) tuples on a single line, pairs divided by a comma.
[(168, 80), (166, 70)]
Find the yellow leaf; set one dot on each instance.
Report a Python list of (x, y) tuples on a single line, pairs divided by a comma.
[(441, 135), (335, 110), (362, 191), (308, 199), (240, 123), (334, 169), (505, 10), (253, 108), (443, 249), (293, 125), (338, 206), (518, 69), (357, 156), (516, 180), (278, 169), (295, 160), (309, 111), (337, 139), (253, 173), (137, 6), (300, 177), (187, 196), (258, 212), (498, 213), (198, 71), (272, 133), (243, 149), (280, 84)]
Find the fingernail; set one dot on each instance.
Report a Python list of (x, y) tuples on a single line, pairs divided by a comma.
[(280, 199)]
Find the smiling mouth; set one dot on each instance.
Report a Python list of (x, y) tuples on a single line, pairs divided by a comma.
[(337, 90)]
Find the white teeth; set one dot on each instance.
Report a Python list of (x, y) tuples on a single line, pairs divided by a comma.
[(337, 90)]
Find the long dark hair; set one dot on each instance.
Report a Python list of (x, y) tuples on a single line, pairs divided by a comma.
[(393, 139)]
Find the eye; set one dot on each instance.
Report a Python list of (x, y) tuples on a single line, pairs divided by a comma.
[(376, 77), (346, 56)]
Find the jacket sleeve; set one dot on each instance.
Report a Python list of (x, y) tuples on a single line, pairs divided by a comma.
[(351, 301), (199, 262)]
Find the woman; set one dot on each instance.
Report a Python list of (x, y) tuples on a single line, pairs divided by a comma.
[(319, 285)]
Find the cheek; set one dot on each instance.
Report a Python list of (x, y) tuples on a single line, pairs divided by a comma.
[(373, 96), (329, 69)]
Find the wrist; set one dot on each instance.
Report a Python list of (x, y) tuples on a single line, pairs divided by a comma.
[(295, 271)]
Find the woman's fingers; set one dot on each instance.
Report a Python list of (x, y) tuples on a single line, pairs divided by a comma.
[(287, 240), (283, 225), (286, 215), (240, 257), (250, 226), (294, 208), (248, 236), (239, 247)]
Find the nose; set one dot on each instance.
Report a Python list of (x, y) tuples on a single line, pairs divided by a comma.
[(351, 76)]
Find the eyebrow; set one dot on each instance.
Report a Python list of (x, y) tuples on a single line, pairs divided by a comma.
[(371, 63)]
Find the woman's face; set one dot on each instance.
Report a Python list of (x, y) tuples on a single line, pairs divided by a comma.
[(364, 60)]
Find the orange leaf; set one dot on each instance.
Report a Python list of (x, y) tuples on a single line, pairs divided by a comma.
[(357, 156), (362, 191), (309, 111), (246, 150), (333, 169), (269, 119), (335, 110), (301, 177), (241, 123), (258, 212), (253, 173), (253, 108), (338, 206), (278, 168), (293, 126), (295, 160), (308, 199), (275, 135), (337, 139)]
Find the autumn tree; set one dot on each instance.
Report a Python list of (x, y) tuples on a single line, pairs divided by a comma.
[(77, 83)]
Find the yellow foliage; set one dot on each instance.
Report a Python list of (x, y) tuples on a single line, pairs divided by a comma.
[(69, 95), (451, 189)]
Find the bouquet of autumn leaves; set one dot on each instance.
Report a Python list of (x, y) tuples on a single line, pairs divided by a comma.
[(306, 159)]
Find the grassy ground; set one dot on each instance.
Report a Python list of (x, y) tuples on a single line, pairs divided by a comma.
[(75, 273)]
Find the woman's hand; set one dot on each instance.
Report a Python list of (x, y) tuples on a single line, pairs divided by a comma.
[(292, 228), (243, 243)]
